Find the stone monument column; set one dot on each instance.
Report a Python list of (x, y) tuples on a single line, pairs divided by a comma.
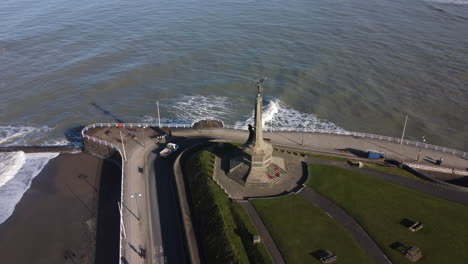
[(258, 152), (258, 139)]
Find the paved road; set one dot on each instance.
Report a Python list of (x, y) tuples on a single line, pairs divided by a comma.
[(135, 200), (359, 234), (267, 240), (434, 189)]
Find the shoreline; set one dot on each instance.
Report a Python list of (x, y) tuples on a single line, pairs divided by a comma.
[(56, 217)]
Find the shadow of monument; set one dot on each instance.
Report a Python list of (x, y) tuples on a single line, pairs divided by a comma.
[(107, 113)]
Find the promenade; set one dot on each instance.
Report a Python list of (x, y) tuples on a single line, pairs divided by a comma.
[(330, 143)]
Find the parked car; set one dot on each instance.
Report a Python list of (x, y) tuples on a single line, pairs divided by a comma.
[(170, 148), (373, 154)]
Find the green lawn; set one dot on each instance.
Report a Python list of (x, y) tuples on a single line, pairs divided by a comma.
[(326, 157), (299, 229), (393, 170), (380, 206), (223, 226)]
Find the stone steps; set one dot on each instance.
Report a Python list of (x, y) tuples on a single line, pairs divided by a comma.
[(239, 173)]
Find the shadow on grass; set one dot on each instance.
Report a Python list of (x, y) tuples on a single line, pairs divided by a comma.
[(406, 222), (318, 254), (398, 246), (247, 240)]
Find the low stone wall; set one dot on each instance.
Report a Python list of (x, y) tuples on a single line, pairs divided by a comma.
[(190, 236), (436, 169), (423, 176), (96, 148)]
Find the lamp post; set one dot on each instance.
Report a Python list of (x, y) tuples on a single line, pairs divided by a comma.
[(123, 146), (159, 117), (420, 147), (404, 128), (144, 141), (136, 195)]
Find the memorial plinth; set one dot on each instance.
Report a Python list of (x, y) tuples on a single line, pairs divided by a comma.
[(257, 152)]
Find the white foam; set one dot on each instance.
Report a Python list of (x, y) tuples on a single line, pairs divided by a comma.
[(29, 135), (16, 174), (277, 114), (10, 164), (187, 109)]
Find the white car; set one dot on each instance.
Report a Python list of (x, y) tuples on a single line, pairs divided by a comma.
[(170, 148)]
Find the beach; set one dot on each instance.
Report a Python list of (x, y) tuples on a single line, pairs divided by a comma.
[(55, 221)]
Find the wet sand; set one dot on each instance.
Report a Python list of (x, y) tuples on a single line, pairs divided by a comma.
[(55, 221)]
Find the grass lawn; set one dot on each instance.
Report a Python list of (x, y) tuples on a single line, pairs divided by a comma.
[(326, 157), (370, 165), (393, 170), (380, 206), (224, 228), (299, 228)]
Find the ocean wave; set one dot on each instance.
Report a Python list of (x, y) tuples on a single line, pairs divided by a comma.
[(277, 114), (11, 163), (29, 135), (200, 107), (17, 170)]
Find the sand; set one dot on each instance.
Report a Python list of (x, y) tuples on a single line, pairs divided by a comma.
[(55, 221)]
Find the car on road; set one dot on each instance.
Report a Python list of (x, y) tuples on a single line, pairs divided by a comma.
[(170, 149)]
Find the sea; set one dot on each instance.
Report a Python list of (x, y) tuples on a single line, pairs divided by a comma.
[(339, 65)]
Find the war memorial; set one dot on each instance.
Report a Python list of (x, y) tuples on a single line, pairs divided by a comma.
[(256, 196)]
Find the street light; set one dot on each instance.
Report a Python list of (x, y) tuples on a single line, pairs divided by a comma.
[(144, 141), (136, 195), (420, 146)]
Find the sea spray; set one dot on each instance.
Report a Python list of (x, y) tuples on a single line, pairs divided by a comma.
[(24, 135), (17, 172), (277, 114), (11, 163)]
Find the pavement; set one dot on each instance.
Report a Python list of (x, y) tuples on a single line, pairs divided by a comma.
[(330, 143), (290, 182), (267, 240), (340, 215)]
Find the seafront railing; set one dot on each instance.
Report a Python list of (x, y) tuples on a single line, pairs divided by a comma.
[(289, 129), (275, 129), (361, 135)]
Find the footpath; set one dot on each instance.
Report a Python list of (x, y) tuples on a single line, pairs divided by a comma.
[(335, 144)]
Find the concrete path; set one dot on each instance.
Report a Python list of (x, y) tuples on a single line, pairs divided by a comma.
[(267, 240), (331, 143), (434, 189), (358, 233)]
